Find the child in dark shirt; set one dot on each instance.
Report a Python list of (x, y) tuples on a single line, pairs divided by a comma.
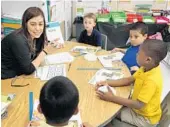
[(90, 35)]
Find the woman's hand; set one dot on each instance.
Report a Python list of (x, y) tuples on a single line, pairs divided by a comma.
[(56, 43)]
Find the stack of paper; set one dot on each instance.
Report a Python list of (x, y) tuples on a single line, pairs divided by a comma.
[(106, 60), (104, 74), (58, 58), (5, 102), (4, 106), (75, 120)]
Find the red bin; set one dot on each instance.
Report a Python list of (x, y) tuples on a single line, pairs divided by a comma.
[(134, 18)]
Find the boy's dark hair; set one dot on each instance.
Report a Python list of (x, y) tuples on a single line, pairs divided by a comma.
[(59, 99), (140, 26), (156, 49)]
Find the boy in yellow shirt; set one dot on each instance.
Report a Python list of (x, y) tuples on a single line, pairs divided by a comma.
[(143, 109)]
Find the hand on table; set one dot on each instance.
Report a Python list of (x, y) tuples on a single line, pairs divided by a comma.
[(99, 84), (107, 96)]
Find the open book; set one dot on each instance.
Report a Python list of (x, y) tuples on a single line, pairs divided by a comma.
[(84, 49), (105, 74), (75, 120), (106, 60)]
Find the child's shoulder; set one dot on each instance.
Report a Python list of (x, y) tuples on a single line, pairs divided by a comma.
[(134, 48), (96, 32)]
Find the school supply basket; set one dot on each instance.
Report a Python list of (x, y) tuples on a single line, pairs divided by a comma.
[(103, 17), (118, 17), (148, 19)]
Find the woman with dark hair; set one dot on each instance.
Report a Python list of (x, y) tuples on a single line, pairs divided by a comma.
[(23, 50)]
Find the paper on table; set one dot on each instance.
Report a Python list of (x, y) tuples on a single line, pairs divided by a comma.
[(84, 49), (48, 72), (104, 74), (105, 89), (63, 57), (106, 60), (4, 106)]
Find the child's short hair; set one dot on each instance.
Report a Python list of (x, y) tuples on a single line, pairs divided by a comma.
[(140, 26), (90, 15), (59, 99), (156, 49)]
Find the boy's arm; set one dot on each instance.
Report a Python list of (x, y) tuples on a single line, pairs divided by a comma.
[(108, 96), (119, 50), (127, 102), (123, 50), (119, 82)]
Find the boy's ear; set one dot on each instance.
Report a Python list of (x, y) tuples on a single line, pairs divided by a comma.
[(39, 109), (149, 59), (146, 35), (94, 23), (76, 111)]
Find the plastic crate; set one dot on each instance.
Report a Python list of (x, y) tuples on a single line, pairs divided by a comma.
[(8, 30), (103, 17), (161, 20), (118, 17), (134, 18), (14, 21), (143, 8), (148, 19)]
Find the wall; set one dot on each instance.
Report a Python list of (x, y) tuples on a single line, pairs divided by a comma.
[(118, 5), (17, 9)]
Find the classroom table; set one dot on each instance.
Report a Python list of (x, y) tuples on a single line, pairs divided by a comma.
[(93, 110)]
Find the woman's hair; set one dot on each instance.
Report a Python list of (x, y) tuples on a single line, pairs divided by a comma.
[(29, 14)]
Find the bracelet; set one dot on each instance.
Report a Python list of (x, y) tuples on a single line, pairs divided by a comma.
[(44, 51)]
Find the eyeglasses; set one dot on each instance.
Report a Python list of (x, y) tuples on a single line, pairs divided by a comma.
[(18, 85)]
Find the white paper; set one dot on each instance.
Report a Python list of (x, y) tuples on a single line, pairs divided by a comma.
[(106, 60), (63, 57), (4, 106), (105, 89), (48, 72), (104, 74), (84, 49)]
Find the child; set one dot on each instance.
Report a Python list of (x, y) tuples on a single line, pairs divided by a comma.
[(143, 109), (90, 35), (59, 100), (138, 34)]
